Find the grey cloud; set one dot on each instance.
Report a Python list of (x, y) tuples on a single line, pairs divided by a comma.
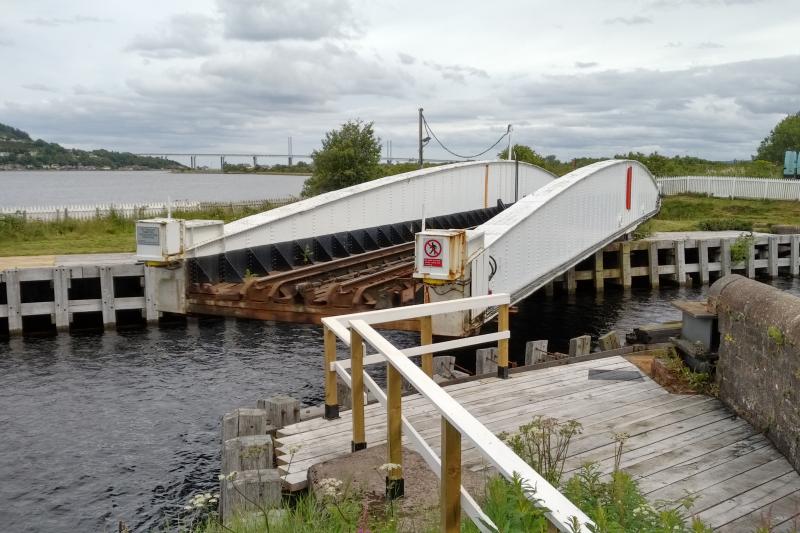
[(275, 20), (722, 110), (629, 21), (6, 42), (185, 35), (38, 87), (55, 22), (709, 45), (667, 4), (457, 73), (585, 64), (673, 44), (406, 59)]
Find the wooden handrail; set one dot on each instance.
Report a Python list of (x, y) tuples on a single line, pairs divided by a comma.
[(560, 511), (457, 423)]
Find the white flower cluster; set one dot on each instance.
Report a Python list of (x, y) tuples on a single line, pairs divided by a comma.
[(201, 501), (330, 487), (229, 477), (388, 467)]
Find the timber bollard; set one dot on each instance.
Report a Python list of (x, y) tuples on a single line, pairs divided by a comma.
[(281, 410), (253, 452), (249, 490), (609, 341), (535, 352), (485, 361), (579, 346), (244, 422)]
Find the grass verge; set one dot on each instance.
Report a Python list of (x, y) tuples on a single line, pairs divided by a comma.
[(111, 233)]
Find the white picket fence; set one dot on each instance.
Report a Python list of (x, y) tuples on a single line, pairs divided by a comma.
[(129, 210), (724, 187)]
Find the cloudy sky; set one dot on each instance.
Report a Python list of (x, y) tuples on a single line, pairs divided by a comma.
[(575, 77)]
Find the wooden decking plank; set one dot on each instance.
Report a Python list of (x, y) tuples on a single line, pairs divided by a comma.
[(727, 479), (752, 500), (676, 443), (690, 447), (598, 435), (525, 411), (645, 461), (416, 403)]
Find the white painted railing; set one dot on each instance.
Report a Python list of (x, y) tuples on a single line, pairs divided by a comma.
[(356, 331), (128, 210), (724, 187)]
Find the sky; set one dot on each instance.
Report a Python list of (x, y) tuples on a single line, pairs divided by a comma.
[(575, 78)]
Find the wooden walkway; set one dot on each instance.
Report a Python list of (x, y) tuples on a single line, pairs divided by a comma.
[(677, 443)]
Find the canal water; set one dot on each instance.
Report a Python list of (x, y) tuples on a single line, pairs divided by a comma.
[(125, 425), (26, 188)]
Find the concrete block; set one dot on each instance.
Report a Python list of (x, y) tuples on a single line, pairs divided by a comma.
[(609, 341), (244, 422), (580, 346), (486, 361), (254, 452)]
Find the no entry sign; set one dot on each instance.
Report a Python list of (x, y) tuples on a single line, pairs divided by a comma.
[(432, 249)]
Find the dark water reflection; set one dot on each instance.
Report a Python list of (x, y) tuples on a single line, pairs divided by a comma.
[(125, 425)]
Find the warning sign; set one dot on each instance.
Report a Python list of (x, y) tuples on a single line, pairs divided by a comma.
[(433, 249)]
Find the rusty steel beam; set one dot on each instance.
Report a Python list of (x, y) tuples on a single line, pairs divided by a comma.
[(362, 282)]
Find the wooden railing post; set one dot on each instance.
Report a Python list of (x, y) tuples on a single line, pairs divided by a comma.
[(450, 497), (394, 389), (359, 441), (502, 344), (331, 401), (426, 337)]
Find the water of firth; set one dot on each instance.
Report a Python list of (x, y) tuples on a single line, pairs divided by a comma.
[(27, 188), (125, 425)]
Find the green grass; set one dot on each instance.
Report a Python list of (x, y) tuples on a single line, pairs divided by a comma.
[(693, 212), (111, 233)]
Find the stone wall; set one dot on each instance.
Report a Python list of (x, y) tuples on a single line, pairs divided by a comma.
[(758, 372)]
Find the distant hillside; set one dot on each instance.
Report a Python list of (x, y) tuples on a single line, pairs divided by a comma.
[(19, 151)]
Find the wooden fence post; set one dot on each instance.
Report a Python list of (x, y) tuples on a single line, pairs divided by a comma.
[(426, 337), (502, 344), (331, 401), (394, 432), (450, 497), (359, 441)]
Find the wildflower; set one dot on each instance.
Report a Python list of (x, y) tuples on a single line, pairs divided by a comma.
[(330, 487), (388, 467), (293, 449)]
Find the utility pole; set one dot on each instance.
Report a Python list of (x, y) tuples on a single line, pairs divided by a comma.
[(508, 156), (420, 137), (290, 151)]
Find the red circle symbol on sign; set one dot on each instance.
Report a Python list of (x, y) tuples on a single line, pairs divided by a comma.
[(433, 248)]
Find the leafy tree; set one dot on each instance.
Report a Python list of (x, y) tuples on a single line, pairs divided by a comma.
[(784, 136), (349, 155), (524, 153)]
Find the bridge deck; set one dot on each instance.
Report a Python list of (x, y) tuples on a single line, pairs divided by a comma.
[(677, 442)]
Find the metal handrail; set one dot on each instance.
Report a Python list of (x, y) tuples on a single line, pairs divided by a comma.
[(356, 331)]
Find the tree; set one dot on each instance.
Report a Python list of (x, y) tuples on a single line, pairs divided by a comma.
[(785, 136), (348, 156), (523, 153)]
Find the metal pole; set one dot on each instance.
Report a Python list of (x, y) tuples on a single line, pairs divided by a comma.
[(420, 137), (290, 151), (516, 179), (508, 154)]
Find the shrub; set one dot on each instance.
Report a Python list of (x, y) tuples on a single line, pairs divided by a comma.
[(721, 224)]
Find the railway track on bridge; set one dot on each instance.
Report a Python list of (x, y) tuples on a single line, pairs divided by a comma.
[(368, 281)]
